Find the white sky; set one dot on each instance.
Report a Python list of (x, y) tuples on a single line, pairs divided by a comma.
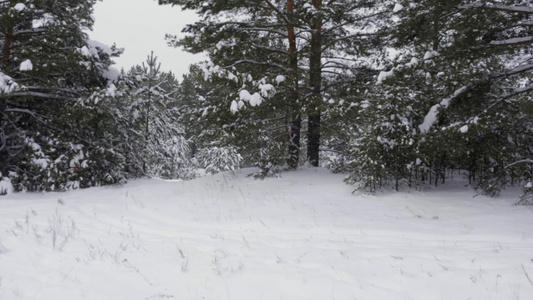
[(139, 26)]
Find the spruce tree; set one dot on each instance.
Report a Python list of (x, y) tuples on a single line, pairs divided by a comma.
[(457, 64), (49, 64), (139, 117)]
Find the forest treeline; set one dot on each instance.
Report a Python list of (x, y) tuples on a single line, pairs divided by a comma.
[(394, 93)]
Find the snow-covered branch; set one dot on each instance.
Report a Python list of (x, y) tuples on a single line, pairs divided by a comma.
[(507, 8), (516, 70), (513, 41), (35, 94), (516, 92), (524, 161), (431, 117), (30, 31), (254, 62)]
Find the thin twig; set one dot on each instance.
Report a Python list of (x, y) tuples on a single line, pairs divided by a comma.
[(527, 276)]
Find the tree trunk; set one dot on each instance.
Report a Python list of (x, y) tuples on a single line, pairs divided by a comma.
[(296, 123), (8, 42), (315, 78)]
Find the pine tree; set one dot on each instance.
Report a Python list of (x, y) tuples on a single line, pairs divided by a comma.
[(313, 46), (201, 110), (457, 99), (139, 116), (256, 51), (49, 63)]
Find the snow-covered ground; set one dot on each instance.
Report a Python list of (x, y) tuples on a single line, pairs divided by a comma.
[(301, 236)]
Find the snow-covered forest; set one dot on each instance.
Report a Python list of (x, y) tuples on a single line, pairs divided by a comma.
[(395, 94), (326, 149)]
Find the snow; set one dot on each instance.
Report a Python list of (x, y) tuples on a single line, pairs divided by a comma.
[(433, 113), (256, 99), (303, 235), (19, 7), (464, 129), (85, 51), (430, 54), (111, 90), (267, 89), (234, 107), (45, 20), (397, 8), (513, 41), (245, 95), (7, 85), (384, 75), (280, 79), (26, 65), (413, 62), (6, 187), (95, 45)]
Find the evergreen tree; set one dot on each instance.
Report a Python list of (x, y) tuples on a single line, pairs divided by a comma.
[(203, 107), (452, 89), (48, 64), (255, 48), (313, 46), (139, 119)]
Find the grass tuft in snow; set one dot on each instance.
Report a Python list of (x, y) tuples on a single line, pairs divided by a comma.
[(62, 230)]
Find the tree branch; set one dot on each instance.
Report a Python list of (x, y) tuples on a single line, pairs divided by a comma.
[(506, 8), (513, 41)]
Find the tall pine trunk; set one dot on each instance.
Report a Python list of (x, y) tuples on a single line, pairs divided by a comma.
[(315, 78), (9, 37)]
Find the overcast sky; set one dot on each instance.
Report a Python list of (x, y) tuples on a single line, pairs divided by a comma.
[(139, 26)]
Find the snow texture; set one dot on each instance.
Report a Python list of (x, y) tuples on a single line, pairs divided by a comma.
[(384, 75), (280, 79), (26, 65), (19, 7), (397, 8), (6, 187), (94, 46), (245, 95), (7, 85), (302, 236), (255, 99), (266, 89), (45, 20), (234, 106), (430, 54)]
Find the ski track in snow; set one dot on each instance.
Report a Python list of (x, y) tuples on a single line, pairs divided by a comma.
[(301, 236)]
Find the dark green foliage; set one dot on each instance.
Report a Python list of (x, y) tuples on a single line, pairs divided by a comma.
[(315, 45), (459, 92), (43, 143)]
